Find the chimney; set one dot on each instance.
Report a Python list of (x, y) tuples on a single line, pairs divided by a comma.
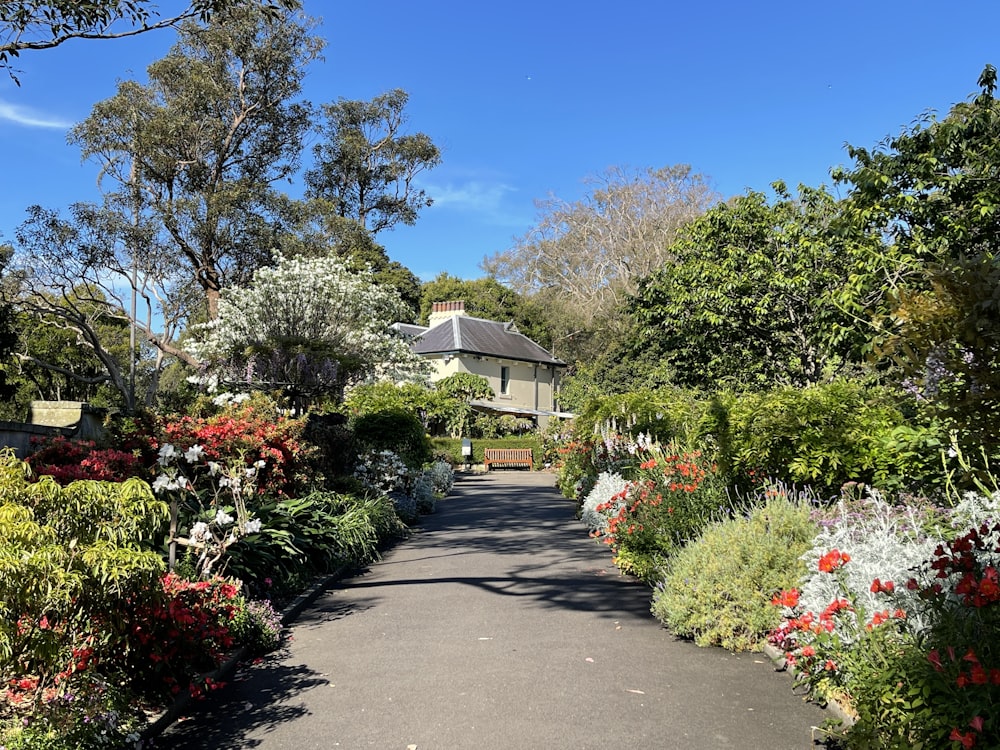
[(441, 311)]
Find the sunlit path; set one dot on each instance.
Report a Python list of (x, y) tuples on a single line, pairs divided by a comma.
[(499, 624)]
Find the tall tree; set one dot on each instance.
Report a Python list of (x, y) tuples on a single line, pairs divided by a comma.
[(315, 231), (583, 258), (38, 25), (366, 165), (199, 147), (753, 295), (934, 192), (592, 252)]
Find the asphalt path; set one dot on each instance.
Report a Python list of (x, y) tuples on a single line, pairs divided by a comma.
[(497, 624)]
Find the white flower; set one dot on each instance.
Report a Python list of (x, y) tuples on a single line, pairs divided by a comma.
[(194, 453), (162, 483), (199, 532), (252, 527), (214, 468), (166, 453), (222, 518), (260, 464)]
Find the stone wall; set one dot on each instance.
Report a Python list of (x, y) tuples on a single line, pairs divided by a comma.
[(76, 419)]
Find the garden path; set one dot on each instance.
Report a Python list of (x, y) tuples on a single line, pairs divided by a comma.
[(498, 624)]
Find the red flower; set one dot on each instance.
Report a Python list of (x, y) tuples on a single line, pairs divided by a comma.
[(967, 739), (786, 598), (832, 560)]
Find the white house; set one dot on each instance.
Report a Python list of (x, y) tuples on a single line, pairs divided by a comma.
[(524, 376)]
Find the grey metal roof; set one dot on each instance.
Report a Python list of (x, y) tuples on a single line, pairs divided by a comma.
[(468, 335)]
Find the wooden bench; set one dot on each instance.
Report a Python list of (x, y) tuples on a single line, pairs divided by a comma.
[(508, 457)]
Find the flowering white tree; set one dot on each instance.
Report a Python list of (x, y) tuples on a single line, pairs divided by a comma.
[(310, 326)]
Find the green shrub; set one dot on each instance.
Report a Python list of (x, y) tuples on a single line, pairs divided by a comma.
[(397, 430), (822, 435), (718, 589)]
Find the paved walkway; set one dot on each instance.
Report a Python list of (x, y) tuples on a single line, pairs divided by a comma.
[(498, 624)]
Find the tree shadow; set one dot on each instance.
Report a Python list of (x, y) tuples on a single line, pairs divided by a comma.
[(258, 697)]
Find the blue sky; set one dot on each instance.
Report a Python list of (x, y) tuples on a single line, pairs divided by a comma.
[(527, 99)]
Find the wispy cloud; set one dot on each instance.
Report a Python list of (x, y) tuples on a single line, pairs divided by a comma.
[(28, 118), (476, 196)]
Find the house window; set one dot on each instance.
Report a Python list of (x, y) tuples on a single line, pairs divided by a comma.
[(504, 381)]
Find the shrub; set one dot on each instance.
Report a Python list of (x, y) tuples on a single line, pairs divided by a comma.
[(672, 499), (179, 634), (67, 460), (441, 476), (250, 431), (718, 589), (822, 435), (257, 627), (87, 712), (393, 430), (423, 494), (608, 486)]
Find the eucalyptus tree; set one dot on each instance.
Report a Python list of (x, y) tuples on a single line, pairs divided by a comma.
[(365, 164), (44, 24), (199, 148)]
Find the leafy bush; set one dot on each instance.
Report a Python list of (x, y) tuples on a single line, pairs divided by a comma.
[(312, 535), (72, 561), (179, 634), (822, 435), (393, 430), (718, 589), (67, 460), (441, 476), (257, 627), (667, 415), (423, 494), (249, 432)]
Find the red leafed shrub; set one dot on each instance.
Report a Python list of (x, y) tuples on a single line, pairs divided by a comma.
[(249, 434), (67, 460)]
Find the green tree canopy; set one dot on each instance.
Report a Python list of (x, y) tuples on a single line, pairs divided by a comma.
[(199, 147), (934, 192), (750, 296), (365, 166)]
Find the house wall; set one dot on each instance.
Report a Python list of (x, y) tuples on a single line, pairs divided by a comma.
[(531, 386)]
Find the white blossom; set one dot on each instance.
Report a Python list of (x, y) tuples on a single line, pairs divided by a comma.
[(167, 453), (194, 453), (252, 527), (222, 518), (199, 532)]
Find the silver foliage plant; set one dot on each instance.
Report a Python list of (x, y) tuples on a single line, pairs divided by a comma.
[(441, 476), (884, 541), (607, 486)]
